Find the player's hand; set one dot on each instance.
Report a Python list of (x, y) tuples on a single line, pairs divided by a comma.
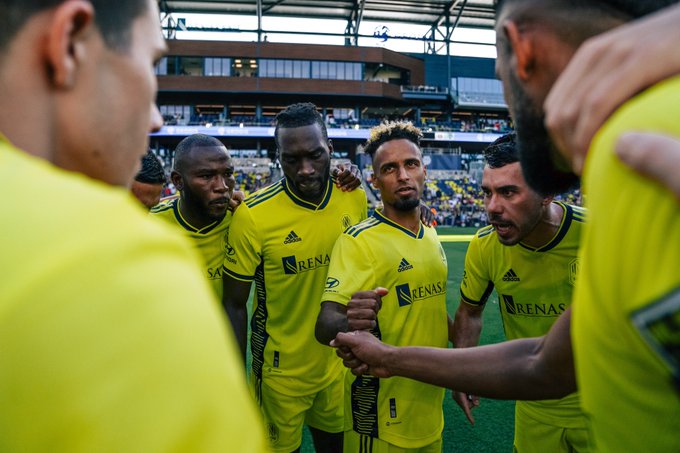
[(236, 199), (363, 353), (363, 308), (606, 71), (654, 155), (347, 178), (427, 215), (467, 403)]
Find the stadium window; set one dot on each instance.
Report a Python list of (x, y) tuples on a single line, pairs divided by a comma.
[(316, 70), (288, 68), (323, 69), (332, 70), (162, 66)]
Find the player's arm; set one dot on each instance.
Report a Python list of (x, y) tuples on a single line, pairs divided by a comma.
[(467, 327), (234, 301), (360, 313), (524, 369)]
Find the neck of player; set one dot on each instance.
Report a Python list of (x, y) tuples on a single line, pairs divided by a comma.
[(546, 228), (408, 219)]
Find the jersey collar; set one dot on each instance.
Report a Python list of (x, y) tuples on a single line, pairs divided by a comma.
[(421, 232), (306, 204), (567, 214), (186, 225)]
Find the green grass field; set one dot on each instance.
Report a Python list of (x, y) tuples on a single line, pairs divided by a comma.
[(494, 426)]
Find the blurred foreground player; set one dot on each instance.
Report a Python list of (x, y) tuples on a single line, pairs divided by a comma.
[(111, 340)]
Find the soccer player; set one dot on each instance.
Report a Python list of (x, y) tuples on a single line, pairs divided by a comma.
[(148, 183), (394, 250), (528, 253), (626, 306), (111, 340), (203, 174), (281, 237)]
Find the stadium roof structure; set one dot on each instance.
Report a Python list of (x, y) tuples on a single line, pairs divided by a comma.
[(442, 16)]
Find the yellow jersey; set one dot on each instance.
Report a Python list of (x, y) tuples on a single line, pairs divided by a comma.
[(379, 252), (626, 317)]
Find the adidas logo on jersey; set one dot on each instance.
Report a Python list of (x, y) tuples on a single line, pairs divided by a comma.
[(404, 265), (292, 237), (510, 276)]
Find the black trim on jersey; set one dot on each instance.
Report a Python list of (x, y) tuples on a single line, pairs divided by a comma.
[(564, 228), (383, 219), (365, 444), (482, 300), (306, 204), (364, 400), (187, 226), (258, 328), (485, 231), (248, 278), (364, 225), (264, 194)]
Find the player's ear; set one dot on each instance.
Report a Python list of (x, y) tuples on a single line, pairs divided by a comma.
[(68, 35), (523, 51), (330, 147), (374, 181), (177, 180)]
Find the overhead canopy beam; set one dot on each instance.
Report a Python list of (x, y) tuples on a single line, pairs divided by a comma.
[(353, 23)]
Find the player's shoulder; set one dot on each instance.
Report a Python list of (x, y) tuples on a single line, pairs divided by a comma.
[(578, 213), (166, 204), (264, 196), (362, 227)]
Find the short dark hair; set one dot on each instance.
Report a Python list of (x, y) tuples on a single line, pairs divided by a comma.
[(185, 146), (113, 18), (299, 115), (394, 130), (502, 151), (152, 170)]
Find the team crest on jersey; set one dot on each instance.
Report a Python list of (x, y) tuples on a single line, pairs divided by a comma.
[(346, 221), (292, 238), (659, 324), (573, 271)]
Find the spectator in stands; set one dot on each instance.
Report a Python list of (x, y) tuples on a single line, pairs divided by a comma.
[(148, 183), (281, 238), (625, 326), (111, 340)]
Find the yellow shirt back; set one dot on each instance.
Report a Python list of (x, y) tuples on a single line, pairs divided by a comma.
[(111, 340), (627, 307)]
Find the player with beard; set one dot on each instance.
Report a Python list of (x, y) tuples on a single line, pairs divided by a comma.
[(203, 173), (394, 250), (281, 237), (626, 303), (529, 256)]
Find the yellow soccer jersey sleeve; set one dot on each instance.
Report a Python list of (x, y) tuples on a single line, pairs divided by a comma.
[(111, 340), (625, 323), (210, 241), (534, 287), (378, 252), (284, 244)]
